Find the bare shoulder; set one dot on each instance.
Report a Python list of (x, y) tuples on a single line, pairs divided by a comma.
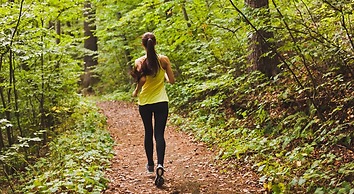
[(140, 60), (165, 61), (163, 58)]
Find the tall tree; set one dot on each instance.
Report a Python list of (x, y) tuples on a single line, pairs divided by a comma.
[(185, 14), (58, 30), (90, 58), (261, 56)]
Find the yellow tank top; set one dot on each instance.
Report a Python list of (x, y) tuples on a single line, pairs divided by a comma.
[(153, 91)]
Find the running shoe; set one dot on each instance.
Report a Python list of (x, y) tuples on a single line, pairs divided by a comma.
[(159, 175), (149, 169)]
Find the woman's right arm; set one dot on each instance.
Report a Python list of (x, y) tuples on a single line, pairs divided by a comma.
[(140, 80), (138, 87)]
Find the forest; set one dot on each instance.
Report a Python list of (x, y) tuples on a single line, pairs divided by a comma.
[(263, 82)]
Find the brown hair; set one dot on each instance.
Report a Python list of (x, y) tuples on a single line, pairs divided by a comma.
[(150, 65)]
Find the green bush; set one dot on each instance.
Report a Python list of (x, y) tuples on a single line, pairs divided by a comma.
[(76, 159)]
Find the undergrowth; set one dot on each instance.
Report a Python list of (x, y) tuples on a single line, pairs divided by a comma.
[(76, 159), (253, 119)]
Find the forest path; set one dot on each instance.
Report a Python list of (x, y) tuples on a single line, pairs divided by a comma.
[(189, 166)]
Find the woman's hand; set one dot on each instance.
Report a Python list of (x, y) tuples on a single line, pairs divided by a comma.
[(135, 93), (138, 87)]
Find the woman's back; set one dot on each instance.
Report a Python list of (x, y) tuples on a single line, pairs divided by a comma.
[(153, 90)]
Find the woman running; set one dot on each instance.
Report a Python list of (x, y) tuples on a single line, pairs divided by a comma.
[(150, 73)]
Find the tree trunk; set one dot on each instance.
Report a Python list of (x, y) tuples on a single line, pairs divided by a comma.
[(8, 113), (89, 79), (185, 15), (257, 3), (261, 57), (16, 100), (42, 97), (2, 145), (58, 31)]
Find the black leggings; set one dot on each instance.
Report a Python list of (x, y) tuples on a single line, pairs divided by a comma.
[(160, 112)]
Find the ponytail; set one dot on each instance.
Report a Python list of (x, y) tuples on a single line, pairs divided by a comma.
[(150, 65), (152, 59)]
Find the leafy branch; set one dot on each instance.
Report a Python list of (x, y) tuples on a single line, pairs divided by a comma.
[(17, 24), (300, 53), (225, 28), (343, 23)]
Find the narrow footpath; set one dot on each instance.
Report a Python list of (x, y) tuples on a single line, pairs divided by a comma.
[(190, 166)]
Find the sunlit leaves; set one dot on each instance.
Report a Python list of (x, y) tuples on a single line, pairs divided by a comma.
[(37, 73), (77, 157), (271, 122)]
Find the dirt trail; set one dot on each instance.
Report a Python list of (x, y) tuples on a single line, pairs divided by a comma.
[(190, 166)]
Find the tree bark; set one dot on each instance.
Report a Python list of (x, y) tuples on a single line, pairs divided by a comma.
[(262, 58), (16, 100), (58, 31), (2, 145), (257, 3), (185, 15), (8, 113), (89, 78), (42, 97)]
